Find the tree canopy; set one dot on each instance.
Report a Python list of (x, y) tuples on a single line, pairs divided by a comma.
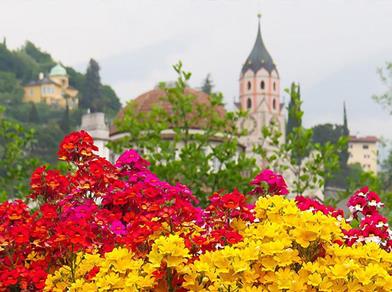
[(189, 156)]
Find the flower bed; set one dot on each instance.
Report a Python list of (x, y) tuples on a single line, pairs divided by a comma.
[(104, 227)]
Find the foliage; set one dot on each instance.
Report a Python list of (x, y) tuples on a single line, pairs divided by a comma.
[(294, 109), (386, 172), (65, 122), (310, 164), (335, 135), (385, 99), (324, 133), (208, 85), (11, 92), (47, 137), (33, 114), (91, 88), (15, 166), (22, 66), (106, 227), (189, 155), (109, 103)]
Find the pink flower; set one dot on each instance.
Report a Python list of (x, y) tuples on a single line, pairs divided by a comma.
[(118, 228), (269, 182), (131, 160)]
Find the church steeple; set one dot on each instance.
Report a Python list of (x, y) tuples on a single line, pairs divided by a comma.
[(259, 57)]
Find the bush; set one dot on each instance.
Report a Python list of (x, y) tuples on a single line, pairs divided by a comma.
[(118, 227)]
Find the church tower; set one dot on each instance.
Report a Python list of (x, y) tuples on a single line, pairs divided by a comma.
[(260, 92)]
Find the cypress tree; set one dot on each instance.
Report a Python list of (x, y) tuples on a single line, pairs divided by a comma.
[(207, 85), (65, 122), (344, 155), (92, 88), (294, 109), (33, 114)]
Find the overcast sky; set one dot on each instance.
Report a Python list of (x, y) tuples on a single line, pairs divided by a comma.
[(332, 47)]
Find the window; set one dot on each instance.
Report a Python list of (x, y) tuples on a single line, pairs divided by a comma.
[(249, 103), (365, 146), (249, 85), (262, 84), (274, 103), (274, 86)]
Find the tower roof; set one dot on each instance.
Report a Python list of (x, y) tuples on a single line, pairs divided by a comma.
[(259, 57), (58, 70)]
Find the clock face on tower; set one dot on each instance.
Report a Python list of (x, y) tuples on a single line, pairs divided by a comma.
[(249, 124)]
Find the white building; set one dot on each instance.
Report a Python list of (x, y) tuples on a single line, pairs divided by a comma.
[(364, 151)]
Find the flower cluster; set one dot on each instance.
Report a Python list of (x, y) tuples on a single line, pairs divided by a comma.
[(269, 182), (364, 206), (306, 203), (287, 249), (105, 227)]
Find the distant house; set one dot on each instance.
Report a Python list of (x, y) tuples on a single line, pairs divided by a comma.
[(364, 150), (53, 90)]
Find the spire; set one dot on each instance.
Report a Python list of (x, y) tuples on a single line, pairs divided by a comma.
[(259, 56), (345, 124)]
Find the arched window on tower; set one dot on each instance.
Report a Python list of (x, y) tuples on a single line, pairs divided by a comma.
[(249, 103), (274, 86), (274, 103), (249, 85), (262, 84)]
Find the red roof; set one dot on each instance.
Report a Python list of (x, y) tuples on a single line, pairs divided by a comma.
[(146, 101), (365, 139)]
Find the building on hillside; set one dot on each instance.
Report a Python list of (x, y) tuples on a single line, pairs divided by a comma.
[(364, 151), (53, 89)]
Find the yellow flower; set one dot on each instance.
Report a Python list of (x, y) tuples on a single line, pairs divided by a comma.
[(171, 249), (284, 278), (239, 265), (269, 263), (339, 271), (314, 279), (303, 236)]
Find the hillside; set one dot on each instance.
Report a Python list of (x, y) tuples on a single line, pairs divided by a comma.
[(20, 66)]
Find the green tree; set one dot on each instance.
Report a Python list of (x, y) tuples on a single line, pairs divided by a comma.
[(189, 156), (92, 90), (37, 54), (344, 155), (33, 114), (309, 164), (16, 165), (208, 85), (385, 99), (109, 103), (386, 173), (64, 122), (324, 133), (335, 135), (45, 145), (11, 92), (294, 108)]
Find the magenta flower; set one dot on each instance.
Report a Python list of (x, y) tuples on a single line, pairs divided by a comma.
[(268, 182), (118, 228)]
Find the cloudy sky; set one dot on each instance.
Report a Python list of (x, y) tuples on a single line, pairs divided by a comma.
[(332, 47)]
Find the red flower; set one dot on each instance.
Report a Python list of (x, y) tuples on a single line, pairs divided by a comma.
[(77, 147)]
